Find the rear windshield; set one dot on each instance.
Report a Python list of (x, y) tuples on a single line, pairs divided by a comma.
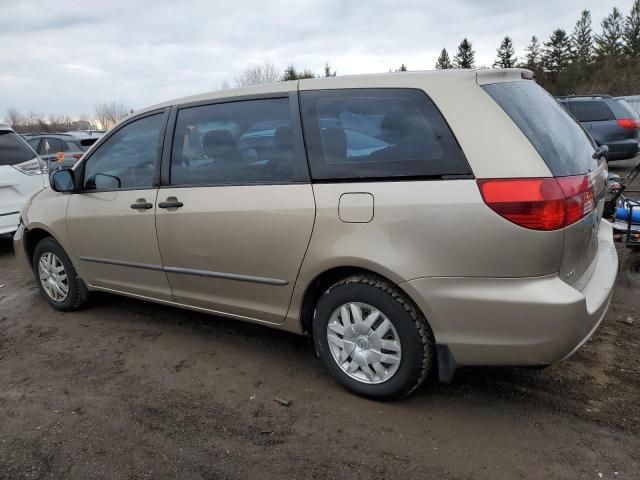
[(561, 141), (14, 149), (591, 111)]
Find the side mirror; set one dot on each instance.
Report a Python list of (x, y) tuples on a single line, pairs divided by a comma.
[(62, 181)]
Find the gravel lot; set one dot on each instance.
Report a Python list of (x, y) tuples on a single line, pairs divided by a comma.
[(126, 389)]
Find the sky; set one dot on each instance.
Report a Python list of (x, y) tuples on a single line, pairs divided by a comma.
[(64, 56)]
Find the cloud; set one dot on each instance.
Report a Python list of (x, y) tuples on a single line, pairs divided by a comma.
[(65, 56)]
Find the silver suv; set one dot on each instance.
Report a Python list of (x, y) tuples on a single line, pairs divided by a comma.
[(403, 221)]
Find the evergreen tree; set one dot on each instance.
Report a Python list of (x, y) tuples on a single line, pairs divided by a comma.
[(403, 68), (465, 58), (290, 73), (631, 33), (609, 42), (557, 52), (582, 40), (506, 52), (327, 70), (444, 62), (306, 73), (533, 57)]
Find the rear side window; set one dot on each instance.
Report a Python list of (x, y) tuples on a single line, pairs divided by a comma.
[(591, 110), (13, 149), (378, 133), (561, 141)]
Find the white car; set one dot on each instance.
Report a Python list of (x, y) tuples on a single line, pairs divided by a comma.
[(22, 174)]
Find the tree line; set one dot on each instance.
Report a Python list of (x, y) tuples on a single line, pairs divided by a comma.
[(573, 63), (266, 72), (567, 63), (106, 115)]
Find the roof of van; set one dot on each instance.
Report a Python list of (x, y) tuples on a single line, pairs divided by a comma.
[(482, 76), (4, 127)]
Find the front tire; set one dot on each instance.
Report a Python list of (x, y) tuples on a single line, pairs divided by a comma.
[(57, 278), (372, 339)]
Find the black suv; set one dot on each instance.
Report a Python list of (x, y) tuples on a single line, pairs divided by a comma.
[(610, 121)]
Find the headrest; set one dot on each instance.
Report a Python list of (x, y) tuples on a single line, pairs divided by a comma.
[(396, 123), (283, 136), (334, 142), (217, 139)]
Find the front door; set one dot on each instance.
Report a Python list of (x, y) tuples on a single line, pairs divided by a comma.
[(111, 222), (236, 215)]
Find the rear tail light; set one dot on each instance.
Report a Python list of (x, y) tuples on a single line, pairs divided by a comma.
[(540, 203), (32, 167), (629, 123)]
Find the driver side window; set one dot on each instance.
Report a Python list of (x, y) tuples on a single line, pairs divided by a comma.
[(127, 159)]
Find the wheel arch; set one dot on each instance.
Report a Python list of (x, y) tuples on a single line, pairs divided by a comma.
[(32, 237), (322, 281)]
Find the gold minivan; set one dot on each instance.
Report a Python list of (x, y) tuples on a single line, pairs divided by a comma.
[(407, 222)]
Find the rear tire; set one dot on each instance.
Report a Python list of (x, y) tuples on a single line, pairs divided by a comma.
[(372, 338), (57, 278), (631, 270)]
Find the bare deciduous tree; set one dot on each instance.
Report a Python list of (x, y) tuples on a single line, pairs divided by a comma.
[(257, 74), (110, 113), (13, 117)]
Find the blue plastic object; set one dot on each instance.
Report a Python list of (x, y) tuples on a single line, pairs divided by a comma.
[(623, 214)]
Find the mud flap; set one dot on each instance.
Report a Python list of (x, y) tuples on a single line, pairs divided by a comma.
[(447, 365)]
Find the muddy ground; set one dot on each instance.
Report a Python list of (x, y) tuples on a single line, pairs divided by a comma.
[(127, 389)]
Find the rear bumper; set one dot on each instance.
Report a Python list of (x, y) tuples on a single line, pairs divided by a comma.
[(622, 149), (517, 321), (20, 251), (9, 220)]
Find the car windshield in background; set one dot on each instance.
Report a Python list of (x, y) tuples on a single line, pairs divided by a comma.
[(13, 149), (559, 139)]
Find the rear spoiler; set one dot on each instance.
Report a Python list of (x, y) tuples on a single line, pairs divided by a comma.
[(498, 75)]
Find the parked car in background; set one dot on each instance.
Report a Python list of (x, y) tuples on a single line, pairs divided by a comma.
[(22, 174), (367, 211), (72, 145), (610, 121)]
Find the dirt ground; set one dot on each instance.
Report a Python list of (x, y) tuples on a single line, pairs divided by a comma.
[(127, 389)]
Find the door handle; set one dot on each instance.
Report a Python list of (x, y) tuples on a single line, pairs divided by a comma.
[(173, 204), (141, 206)]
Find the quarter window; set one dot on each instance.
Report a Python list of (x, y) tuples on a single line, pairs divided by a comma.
[(127, 159), (243, 142), (376, 133)]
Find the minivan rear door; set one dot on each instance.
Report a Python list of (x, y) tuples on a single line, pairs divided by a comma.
[(235, 208)]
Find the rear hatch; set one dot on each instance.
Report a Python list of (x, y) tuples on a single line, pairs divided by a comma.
[(574, 197)]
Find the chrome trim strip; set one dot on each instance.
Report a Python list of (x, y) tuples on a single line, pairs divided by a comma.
[(190, 271), (226, 276), (145, 266)]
